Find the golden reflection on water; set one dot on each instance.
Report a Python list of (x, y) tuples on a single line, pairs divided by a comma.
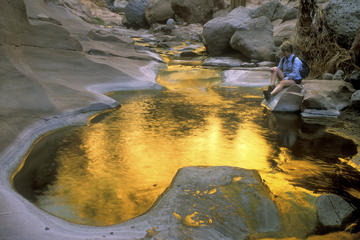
[(115, 168)]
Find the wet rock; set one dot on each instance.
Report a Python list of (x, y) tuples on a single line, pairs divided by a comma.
[(218, 31), (333, 210), (246, 78), (315, 113), (355, 79), (188, 54), (287, 100), (339, 75), (355, 100), (198, 205), (158, 11), (327, 76), (343, 19), (266, 64), (255, 42), (223, 62), (327, 94), (135, 13)]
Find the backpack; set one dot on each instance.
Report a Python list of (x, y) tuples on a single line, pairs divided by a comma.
[(304, 71)]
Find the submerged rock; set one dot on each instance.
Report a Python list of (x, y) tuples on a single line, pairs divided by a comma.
[(204, 202), (355, 99)]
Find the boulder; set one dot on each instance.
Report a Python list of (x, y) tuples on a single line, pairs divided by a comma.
[(255, 42), (342, 17), (158, 11), (287, 100), (327, 76), (199, 11), (355, 79), (191, 32), (135, 14), (246, 78), (218, 31), (339, 75), (327, 94), (332, 210), (272, 10), (355, 99), (283, 31), (119, 5)]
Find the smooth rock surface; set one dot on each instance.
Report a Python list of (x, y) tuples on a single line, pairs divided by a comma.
[(332, 210), (355, 99), (287, 100), (158, 11), (246, 78), (327, 94)]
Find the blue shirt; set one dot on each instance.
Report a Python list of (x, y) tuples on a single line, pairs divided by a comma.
[(290, 71)]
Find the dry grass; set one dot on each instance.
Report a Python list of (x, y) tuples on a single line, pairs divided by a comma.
[(315, 43)]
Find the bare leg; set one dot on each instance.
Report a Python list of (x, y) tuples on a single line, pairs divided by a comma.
[(281, 85), (276, 73)]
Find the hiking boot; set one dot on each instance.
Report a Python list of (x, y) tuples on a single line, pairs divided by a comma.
[(266, 95), (271, 88)]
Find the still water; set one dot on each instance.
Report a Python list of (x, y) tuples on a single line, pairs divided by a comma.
[(116, 167)]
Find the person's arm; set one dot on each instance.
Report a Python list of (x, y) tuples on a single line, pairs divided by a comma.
[(295, 73)]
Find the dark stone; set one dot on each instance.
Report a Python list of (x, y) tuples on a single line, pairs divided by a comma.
[(342, 17), (135, 14), (355, 79)]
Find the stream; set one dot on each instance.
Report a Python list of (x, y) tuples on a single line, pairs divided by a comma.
[(116, 167)]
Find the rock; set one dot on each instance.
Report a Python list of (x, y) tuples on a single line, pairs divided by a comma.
[(315, 113), (355, 79), (187, 205), (119, 5), (135, 13), (199, 11), (105, 36), (218, 31), (283, 31), (332, 210), (291, 13), (256, 42), (339, 75), (272, 10), (327, 94), (170, 21), (223, 62), (287, 100), (342, 17), (191, 32), (246, 78), (158, 11), (355, 99), (266, 64), (327, 76), (188, 54)]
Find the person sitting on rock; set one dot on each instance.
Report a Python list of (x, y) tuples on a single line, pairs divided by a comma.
[(287, 72)]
